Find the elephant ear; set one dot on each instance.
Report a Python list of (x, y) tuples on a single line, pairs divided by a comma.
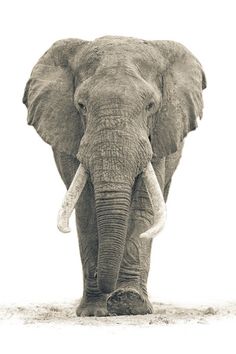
[(49, 97), (182, 83)]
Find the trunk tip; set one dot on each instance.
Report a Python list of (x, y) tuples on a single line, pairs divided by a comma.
[(105, 287)]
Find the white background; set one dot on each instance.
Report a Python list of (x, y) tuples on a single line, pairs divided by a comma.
[(193, 260)]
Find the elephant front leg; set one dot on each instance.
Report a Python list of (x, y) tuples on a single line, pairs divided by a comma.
[(131, 295), (93, 302)]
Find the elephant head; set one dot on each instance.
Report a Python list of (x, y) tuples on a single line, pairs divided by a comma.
[(116, 104)]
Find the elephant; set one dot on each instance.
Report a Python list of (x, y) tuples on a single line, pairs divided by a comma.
[(115, 111)]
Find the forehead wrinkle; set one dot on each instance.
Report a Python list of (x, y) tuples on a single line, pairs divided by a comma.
[(112, 52)]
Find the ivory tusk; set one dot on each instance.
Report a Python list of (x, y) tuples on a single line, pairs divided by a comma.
[(157, 201), (71, 198)]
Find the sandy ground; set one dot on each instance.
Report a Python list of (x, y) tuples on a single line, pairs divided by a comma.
[(163, 314)]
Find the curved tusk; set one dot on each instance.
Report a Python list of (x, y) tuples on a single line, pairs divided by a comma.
[(157, 201), (71, 198)]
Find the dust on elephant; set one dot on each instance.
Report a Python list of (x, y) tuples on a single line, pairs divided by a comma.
[(115, 111)]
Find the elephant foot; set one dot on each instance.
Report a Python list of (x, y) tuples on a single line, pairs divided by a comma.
[(92, 308), (128, 301)]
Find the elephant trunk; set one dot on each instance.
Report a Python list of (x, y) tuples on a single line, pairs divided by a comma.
[(112, 208), (113, 161)]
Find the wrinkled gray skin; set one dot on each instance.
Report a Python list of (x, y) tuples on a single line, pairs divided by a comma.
[(114, 104)]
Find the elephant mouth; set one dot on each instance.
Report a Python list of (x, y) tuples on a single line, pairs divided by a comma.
[(153, 189)]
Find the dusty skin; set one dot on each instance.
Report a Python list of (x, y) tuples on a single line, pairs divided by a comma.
[(164, 314)]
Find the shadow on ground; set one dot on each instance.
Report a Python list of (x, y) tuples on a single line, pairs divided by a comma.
[(163, 314)]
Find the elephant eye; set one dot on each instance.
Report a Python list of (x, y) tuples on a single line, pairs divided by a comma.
[(150, 106), (82, 107)]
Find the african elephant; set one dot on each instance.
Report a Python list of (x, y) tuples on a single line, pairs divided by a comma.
[(115, 111)]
